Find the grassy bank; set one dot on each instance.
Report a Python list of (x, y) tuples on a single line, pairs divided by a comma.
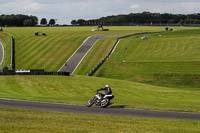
[(23, 121), (167, 59), (79, 89), (99, 51), (51, 52), (5, 40)]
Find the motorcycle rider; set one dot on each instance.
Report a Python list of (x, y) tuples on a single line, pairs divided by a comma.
[(107, 91)]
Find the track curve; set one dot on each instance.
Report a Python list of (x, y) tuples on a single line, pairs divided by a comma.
[(117, 111)]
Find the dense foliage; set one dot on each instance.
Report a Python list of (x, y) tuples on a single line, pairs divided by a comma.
[(144, 18), (18, 20), (43, 21)]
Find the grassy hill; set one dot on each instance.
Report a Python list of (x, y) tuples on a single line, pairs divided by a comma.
[(51, 52), (79, 89), (169, 59)]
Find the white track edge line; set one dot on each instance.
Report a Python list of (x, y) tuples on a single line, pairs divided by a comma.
[(3, 53)]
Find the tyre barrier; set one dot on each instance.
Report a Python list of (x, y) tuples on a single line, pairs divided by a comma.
[(110, 52), (35, 73)]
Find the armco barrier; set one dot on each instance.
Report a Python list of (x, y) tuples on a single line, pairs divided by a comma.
[(108, 55), (12, 64)]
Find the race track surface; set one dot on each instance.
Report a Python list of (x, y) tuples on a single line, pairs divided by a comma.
[(115, 110), (1, 53), (73, 62)]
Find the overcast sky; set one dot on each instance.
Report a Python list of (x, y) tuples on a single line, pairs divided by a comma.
[(66, 10)]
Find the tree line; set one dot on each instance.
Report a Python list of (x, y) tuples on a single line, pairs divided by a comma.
[(23, 20), (18, 20), (146, 18)]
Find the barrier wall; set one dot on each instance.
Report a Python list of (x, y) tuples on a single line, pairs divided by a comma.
[(35, 73), (12, 64)]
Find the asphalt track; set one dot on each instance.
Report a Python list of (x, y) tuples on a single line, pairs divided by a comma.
[(1, 53), (73, 62), (115, 110)]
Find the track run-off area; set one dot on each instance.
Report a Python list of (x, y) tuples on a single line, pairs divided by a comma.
[(115, 110)]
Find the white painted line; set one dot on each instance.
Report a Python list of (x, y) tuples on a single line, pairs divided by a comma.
[(3, 53), (75, 52), (115, 47)]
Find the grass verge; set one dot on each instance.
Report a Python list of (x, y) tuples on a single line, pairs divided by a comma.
[(50, 52), (23, 121)]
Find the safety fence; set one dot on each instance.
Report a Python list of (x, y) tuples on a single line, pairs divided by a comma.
[(113, 47)]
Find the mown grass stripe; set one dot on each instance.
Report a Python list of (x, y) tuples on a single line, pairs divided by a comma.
[(34, 53)]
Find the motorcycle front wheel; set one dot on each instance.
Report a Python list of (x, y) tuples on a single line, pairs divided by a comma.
[(90, 102)]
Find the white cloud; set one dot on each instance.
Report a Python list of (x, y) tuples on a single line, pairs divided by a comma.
[(31, 6), (135, 6), (190, 6), (17, 6)]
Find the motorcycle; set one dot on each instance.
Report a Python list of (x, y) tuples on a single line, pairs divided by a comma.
[(98, 102)]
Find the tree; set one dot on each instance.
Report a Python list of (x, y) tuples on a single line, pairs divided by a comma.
[(34, 19), (52, 22), (43, 21), (28, 22), (73, 22), (17, 20), (80, 22)]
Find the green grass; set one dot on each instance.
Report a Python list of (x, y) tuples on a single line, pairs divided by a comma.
[(51, 52), (79, 89), (170, 60), (45, 52), (5, 40), (23, 121), (100, 49)]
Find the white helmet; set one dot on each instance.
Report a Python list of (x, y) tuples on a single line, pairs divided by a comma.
[(108, 86)]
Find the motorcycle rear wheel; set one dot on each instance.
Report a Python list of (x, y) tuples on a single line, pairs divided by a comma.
[(105, 103)]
